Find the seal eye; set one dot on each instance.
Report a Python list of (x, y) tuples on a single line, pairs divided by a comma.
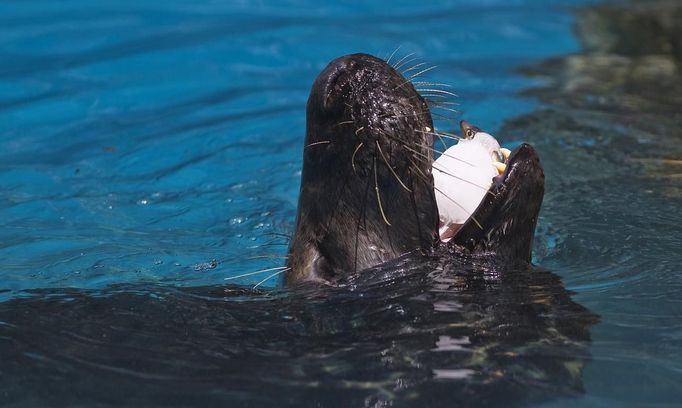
[(470, 134)]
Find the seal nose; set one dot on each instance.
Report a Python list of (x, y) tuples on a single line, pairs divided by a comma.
[(333, 77), (332, 87), (336, 77)]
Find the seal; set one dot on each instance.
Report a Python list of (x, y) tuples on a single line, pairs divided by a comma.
[(367, 190)]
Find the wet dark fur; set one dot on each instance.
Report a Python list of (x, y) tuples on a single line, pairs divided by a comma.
[(354, 212), (340, 227)]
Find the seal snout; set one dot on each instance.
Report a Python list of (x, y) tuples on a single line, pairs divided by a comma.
[(366, 186), (334, 80), (526, 161)]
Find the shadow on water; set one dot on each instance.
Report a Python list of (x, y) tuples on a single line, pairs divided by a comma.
[(428, 333)]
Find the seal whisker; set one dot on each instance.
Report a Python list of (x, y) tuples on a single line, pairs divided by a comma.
[(388, 61), (270, 277), (433, 104), (442, 141), (442, 102), (439, 190), (465, 180), (376, 189), (432, 133), (409, 79), (268, 257), (391, 168), (447, 109), (352, 159), (438, 91), (431, 83), (318, 143), (426, 157), (442, 153), (439, 134), (408, 62), (444, 117), (362, 217), (423, 71), (391, 115), (460, 206), (448, 118), (402, 62), (412, 68), (426, 96), (450, 135), (403, 143), (345, 122), (425, 178), (416, 167), (255, 273)]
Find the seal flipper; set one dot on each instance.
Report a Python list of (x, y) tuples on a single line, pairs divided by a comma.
[(504, 222)]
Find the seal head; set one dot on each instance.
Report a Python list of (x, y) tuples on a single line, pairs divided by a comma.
[(366, 187), (367, 191)]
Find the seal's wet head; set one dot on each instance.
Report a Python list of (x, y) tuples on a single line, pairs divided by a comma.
[(366, 189)]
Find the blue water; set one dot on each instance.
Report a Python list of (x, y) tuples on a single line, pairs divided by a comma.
[(158, 144), (137, 139)]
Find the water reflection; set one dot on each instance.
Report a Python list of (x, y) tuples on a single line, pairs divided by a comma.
[(431, 333)]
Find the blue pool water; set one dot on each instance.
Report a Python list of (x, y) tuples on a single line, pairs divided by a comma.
[(157, 145), (137, 140)]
